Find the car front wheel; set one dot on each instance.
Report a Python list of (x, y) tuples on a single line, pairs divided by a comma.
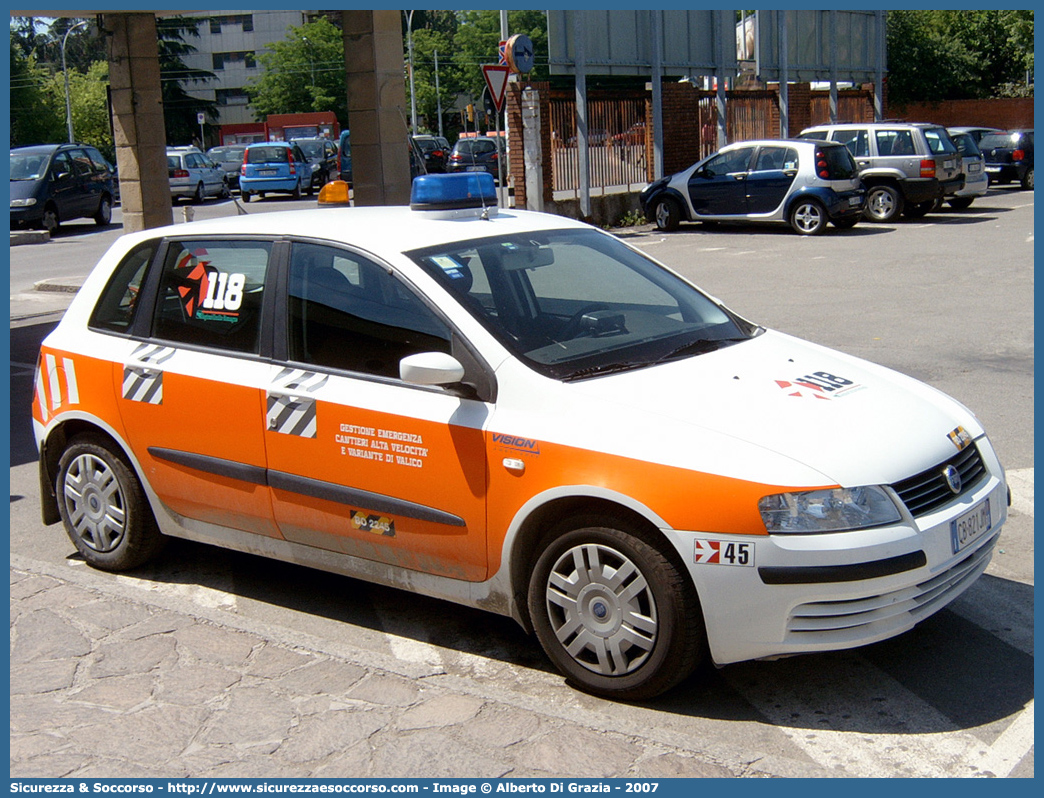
[(103, 506), (50, 221), (613, 612), (666, 214), (884, 203), (808, 217), (104, 214)]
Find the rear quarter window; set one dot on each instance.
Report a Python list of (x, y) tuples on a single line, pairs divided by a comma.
[(119, 301)]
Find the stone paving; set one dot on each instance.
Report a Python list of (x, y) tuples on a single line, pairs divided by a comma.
[(106, 685)]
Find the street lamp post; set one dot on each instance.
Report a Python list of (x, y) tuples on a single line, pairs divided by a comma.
[(65, 73), (413, 93)]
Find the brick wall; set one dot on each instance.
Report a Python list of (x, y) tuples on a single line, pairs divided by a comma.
[(681, 126), (1005, 113), (513, 108)]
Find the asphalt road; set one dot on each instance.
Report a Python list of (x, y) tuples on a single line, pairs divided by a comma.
[(947, 299)]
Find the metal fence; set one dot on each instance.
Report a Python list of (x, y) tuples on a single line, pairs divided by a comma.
[(852, 106), (616, 142)]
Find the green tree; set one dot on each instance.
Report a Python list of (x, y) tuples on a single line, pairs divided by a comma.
[(89, 105), (954, 55), (179, 107), (303, 73), (35, 116)]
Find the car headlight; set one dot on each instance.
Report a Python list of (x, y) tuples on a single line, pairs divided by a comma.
[(832, 510), (23, 203)]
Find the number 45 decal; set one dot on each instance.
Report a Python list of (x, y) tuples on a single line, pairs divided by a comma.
[(723, 552)]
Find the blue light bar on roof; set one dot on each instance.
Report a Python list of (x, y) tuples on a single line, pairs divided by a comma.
[(453, 191)]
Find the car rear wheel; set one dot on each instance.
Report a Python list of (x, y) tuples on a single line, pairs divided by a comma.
[(808, 217), (103, 506), (200, 196), (297, 191), (50, 221), (884, 203), (1027, 179), (666, 214), (244, 195), (961, 203), (104, 213), (613, 612)]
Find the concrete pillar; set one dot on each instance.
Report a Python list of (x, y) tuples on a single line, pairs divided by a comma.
[(137, 120), (373, 59)]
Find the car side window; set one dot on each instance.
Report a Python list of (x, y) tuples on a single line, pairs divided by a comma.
[(774, 159), (895, 142), (100, 164), (119, 301), (728, 163), (210, 294), (346, 312), (857, 141), (62, 165), (81, 163)]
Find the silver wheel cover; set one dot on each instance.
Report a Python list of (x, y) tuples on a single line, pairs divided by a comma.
[(94, 503), (601, 609), (881, 204), (663, 213), (808, 217)]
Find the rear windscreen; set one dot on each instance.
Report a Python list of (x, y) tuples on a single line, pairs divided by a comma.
[(837, 162), (992, 140), (268, 155)]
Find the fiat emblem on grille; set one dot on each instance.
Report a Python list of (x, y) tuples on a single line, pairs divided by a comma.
[(953, 479)]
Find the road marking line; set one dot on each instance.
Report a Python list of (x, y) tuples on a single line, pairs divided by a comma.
[(1012, 746)]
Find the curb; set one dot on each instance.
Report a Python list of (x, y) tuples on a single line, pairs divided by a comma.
[(30, 237), (58, 286)]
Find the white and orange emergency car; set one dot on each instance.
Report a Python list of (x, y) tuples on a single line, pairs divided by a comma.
[(513, 411)]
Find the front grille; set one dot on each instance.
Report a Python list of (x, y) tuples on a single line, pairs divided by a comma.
[(928, 491), (855, 619)]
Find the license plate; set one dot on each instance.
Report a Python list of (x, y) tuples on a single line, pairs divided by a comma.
[(974, 167), (992, 168), (949, 164), (266, 172), (475, 169), (855, 202), (969, 527)]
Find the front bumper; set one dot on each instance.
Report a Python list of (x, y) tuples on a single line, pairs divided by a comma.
[(807, 593)]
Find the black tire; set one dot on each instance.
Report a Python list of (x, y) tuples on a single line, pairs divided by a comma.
[(666, 214), (103, 506), (50, 221), (960, 203), (916, 210), (884, 203), (808, 217), (226, 192), (1027, 180), (104, 214), (627, 639), (845, 224), (200, 196), (297, 191)]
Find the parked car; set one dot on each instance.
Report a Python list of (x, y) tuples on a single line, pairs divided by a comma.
[(344, 156), (430, 398), (975, 182), (806, 184), (230, 158), (321, 154), (1009, 156), (55, 183), (975, 132), (274, 166), (477, 154), (194, 176), (435, 150), (907, 168)]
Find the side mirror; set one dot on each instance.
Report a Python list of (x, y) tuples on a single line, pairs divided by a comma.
[(431, 368)]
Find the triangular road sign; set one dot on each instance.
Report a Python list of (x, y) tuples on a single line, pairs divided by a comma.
[(496, 76)]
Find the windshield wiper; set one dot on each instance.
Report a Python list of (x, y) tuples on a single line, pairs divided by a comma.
[(607, 368), (698, 347)]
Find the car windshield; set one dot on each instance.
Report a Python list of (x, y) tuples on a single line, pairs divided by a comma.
[(965, 144), (993, 140), (28, 167), (268, 155), (226, 153), (939, 141), (577, 303), (311, 149)]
